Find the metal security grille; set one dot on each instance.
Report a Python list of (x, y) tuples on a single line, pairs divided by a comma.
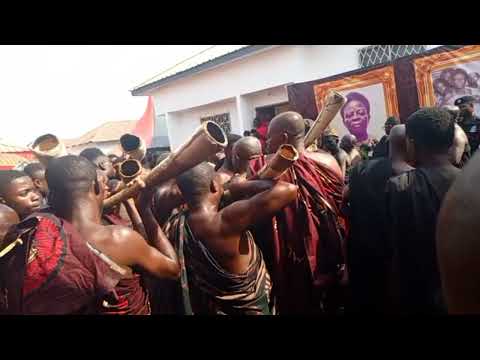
[(379, 54), (222, 119)]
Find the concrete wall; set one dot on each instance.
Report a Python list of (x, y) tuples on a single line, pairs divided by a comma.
[(242, 85), (181, 124), (267, 97)]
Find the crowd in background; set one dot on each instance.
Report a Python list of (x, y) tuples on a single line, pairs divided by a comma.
[(343, 228)]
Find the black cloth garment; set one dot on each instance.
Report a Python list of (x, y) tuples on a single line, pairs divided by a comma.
[(368, 250), (414, 200), (381, 149), (472, 129)]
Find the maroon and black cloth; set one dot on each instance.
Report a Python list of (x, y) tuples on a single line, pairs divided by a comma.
[(303, 242), (61, 274), (205, 287), (130, 296)]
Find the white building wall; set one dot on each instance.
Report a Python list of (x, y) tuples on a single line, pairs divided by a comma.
[(182, 124), (267, 97), (239, 87)]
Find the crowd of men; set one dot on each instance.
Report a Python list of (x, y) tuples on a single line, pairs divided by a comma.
[(372, 229)]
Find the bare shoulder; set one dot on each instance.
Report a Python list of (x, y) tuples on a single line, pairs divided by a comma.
[(460, 135), (120, 234), (324, 158), (116, 241)]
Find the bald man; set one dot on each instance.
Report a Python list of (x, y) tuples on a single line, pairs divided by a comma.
[(223, 272), (368, 251), (349, 144), (330, 144), (458, 248), (304, 240), (238, 156)]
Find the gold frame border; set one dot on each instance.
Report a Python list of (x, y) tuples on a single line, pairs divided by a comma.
[(424, 67), (384, 76)]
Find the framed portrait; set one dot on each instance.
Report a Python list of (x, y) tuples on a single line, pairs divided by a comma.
[(444, 77), (371, 99)]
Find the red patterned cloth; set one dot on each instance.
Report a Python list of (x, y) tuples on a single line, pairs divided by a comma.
[(63, 276), (304, 240)]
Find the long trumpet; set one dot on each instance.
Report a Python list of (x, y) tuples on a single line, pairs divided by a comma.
[(333, 104), (285, 156), (207, 140), (47, 147)]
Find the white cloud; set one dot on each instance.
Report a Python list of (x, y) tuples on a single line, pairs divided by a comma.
[(68, 90)]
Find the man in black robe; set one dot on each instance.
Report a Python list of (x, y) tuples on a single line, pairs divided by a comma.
[(469, 121), (414, 199), (381, 149), (368, 251)]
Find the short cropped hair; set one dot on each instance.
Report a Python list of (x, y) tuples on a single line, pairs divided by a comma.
[(33, 168), (355, 96), (70, 174), (195, 183), (431, 129), (92, 154), (7, 177)]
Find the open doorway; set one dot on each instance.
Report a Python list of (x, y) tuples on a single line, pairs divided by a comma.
[(270, 111), (263, 115)]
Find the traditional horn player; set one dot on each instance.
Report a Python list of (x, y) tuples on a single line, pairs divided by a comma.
[(333, 104), (285, 156), (302, 245), (133, 147), (47, 147), (208, 139)]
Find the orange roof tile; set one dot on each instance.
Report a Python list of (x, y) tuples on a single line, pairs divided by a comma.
[(11, 160)]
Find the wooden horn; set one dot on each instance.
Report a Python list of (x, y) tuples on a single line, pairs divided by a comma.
[(285, 156), (47, 147), (129, 170), (208, 139), (333, 104), (133, 147)]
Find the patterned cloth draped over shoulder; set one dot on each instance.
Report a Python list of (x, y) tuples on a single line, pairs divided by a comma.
[(206, 287), (61, 274), (304, 240)]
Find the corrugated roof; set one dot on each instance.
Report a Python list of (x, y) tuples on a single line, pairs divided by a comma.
[(213, 56), (109, 131), (203, 56)]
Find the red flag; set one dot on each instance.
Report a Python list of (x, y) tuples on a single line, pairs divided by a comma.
[(144, 126)]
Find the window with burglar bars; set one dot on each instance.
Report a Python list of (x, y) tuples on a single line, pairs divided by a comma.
[(222, 119), (379, 54)]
